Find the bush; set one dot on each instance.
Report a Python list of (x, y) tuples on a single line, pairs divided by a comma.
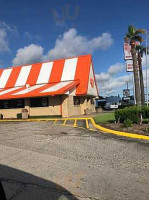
[(145, 112), (127, 123), (147, 130), (132, 113)]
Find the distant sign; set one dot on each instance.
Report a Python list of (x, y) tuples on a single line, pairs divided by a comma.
[(129, 66), (127, 51), (126, 98), (126, 93)]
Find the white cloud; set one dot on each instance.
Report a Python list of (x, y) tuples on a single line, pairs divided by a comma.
[(9, 29), (111, 85), (69, 44), (3, 41), (114, 85), (72, 44), (5, 30), (102, 77), (114, 69), (29, 54)]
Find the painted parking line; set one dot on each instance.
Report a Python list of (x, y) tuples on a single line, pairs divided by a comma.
[(87, 120)]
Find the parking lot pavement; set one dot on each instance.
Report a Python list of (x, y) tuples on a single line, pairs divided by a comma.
[(43, 161)]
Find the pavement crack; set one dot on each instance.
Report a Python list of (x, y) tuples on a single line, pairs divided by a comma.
[(17, 192), (33, 185)]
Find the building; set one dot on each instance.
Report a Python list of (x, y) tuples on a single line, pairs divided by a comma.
[(63, 87), (108, 103)]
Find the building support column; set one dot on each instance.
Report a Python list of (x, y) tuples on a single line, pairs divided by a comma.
[(27, 105), (67, 106), (64, 102)]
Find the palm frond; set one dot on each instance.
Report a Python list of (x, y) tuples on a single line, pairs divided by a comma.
[(140, 31), (138, 38), (131, 30)]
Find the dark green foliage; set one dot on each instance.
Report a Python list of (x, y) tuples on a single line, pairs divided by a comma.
[(127, 123), (132, 113), (147, 130), (145, 112)]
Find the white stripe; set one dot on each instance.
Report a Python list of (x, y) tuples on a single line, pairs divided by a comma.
[(4, 77), (23, 75), (56, 87), (28, 89), (69, 70), (9, 90), (45, 73)]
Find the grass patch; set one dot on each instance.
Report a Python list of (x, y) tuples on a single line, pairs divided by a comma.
[(105, 118)]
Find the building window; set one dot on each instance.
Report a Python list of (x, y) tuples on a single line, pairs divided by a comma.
[(76, 101), (15, 103), (39, 102)]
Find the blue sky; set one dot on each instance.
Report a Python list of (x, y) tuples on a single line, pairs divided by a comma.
[(35, 30)]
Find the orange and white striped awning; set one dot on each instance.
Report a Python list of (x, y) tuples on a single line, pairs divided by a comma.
[(49, 78), (38, 90)]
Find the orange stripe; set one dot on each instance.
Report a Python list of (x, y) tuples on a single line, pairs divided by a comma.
[(82, 74), (8, 95), (13, 77), (57, 70), (36, 92), (1, 71), (34, 73)]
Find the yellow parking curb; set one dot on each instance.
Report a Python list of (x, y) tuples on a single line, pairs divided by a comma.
[(119, 133), (64, 120)]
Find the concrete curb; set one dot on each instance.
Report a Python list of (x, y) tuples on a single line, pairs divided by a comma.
[(99, 127), (119, 133)]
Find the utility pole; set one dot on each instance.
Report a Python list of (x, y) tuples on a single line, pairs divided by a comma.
[(127, 85), (146, 68)]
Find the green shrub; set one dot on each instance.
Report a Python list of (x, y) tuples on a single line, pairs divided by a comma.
[(127, 123), (147, 129), (145, 112), (132, 113)]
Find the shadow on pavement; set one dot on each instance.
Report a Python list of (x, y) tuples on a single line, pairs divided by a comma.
[(16, 185)]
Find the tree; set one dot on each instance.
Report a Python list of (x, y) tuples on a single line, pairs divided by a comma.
[(140, 50), (132, 37)]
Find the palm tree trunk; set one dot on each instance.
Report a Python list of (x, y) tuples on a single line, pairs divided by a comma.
[(136, 77), (141, 80)]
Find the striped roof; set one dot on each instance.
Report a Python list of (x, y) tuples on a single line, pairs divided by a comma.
[(48, 78)]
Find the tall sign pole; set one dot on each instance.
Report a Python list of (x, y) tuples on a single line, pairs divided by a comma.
[(146, 68)]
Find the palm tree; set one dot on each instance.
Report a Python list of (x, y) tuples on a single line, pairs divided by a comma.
[(132, 37), (140, 50)]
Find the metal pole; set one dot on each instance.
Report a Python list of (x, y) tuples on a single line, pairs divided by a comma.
[(146, 69)]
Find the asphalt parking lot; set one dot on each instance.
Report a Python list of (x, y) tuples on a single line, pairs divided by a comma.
[(40, 161)]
